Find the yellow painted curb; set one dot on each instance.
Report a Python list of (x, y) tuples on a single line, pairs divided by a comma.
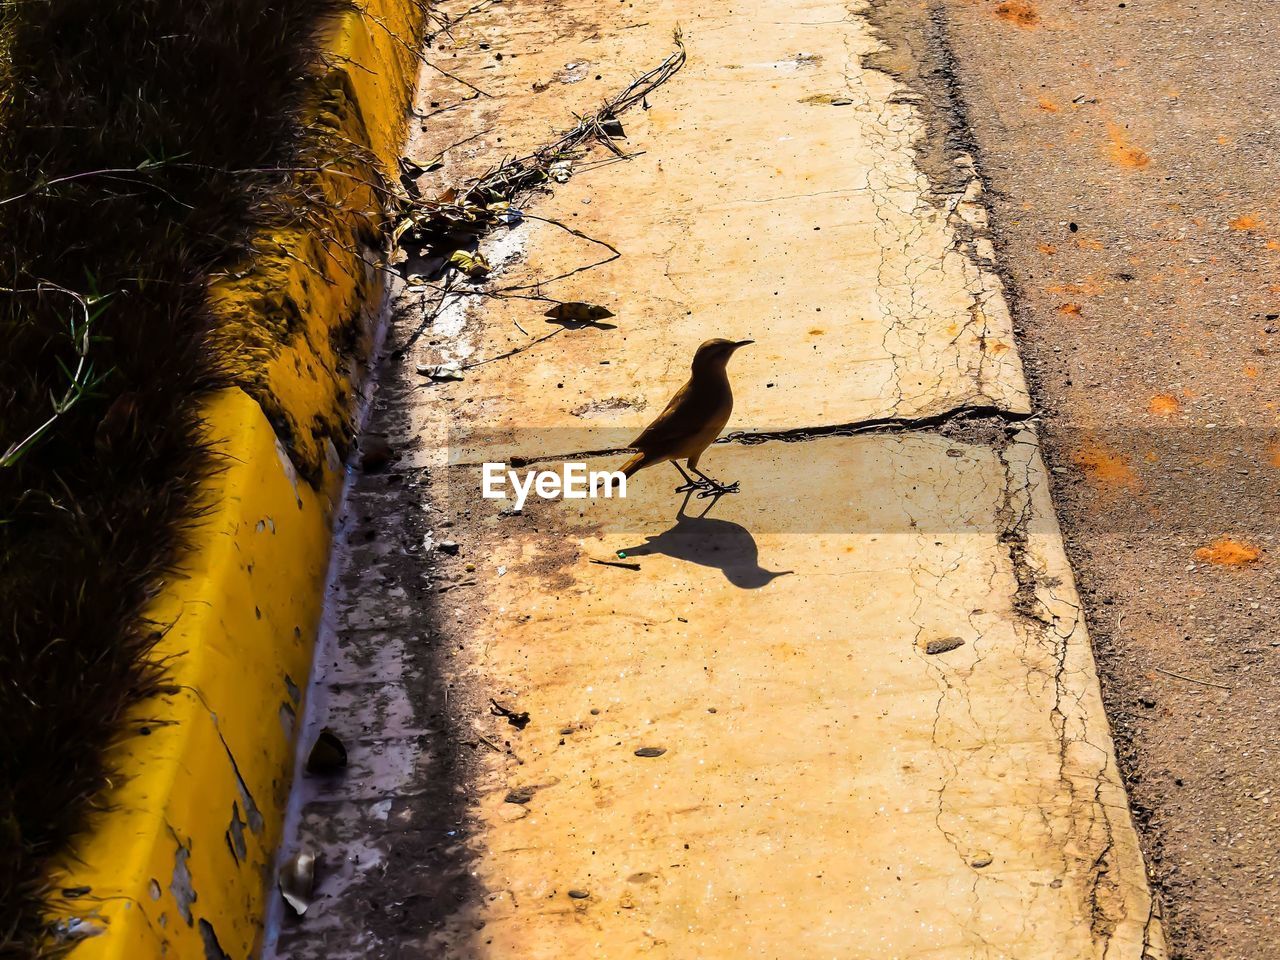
[(181, 865)]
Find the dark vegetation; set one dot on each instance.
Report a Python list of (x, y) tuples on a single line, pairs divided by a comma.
[(140, 144)]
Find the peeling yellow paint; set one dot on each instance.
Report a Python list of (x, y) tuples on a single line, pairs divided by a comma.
[(210, 775), (292, 317), (179, 867)]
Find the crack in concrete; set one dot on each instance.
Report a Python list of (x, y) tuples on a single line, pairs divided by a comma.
[(965, 414)]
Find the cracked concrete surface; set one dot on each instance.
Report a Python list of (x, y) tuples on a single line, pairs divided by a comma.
[(849, 712)]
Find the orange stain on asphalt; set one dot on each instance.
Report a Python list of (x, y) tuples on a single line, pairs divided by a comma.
[(1020, 12), (1105, 467), (1123, 152), (1273, 244), (1251, 371), (1226, 552), (1088, 243), (1164, 405), (1044, 103), (1087, 287), (1069, 309), (1246, 221), (1048, 249)]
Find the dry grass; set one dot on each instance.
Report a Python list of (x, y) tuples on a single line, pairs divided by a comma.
[(141, 142)]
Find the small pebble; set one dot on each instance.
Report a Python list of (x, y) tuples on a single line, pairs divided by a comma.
[(943, 645), (651, 751), (579, 894)]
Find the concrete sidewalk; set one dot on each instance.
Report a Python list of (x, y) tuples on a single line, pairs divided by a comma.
[(848, 712)]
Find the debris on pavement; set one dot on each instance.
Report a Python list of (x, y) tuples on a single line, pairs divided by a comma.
[(578, 311), (517, 719), (328, 754), (297, 881), (375, 453), (441, 372), (616, 563)]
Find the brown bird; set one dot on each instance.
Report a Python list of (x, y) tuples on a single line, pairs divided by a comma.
[(692, 420)]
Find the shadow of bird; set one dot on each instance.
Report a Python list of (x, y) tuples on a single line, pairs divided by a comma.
[(710, 542), (692, 420)]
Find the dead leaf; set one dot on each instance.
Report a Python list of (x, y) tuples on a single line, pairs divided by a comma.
[(576, 310), (473, 265), (441, 372)]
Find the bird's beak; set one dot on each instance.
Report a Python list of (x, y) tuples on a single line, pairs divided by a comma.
[(742, 343)]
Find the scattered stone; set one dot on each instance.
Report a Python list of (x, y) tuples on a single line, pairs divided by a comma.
[(328, 755), (651, 751), (519, 795), (579, 894), (980, 861), (943, 645), (297, 880), (510, 812), (448, 546), (375, 453)]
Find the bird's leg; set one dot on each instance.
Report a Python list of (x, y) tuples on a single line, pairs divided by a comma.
[(713, 488), (689, 482)]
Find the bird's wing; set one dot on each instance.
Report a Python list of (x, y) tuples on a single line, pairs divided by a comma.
[(670, 425)]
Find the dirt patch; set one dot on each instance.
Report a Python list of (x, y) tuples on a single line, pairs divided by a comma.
[(1018, 12), (1124, 153), (1226, 552)]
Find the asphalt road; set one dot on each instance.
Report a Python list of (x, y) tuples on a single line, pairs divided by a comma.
[(1129, 149)]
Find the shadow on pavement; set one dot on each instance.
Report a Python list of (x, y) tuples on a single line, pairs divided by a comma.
[(697, 538)]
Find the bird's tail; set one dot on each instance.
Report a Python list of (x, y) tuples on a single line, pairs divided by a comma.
[(635, 463)]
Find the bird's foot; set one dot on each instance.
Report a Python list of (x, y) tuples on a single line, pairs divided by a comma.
[(714, 489), (691, 485)]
